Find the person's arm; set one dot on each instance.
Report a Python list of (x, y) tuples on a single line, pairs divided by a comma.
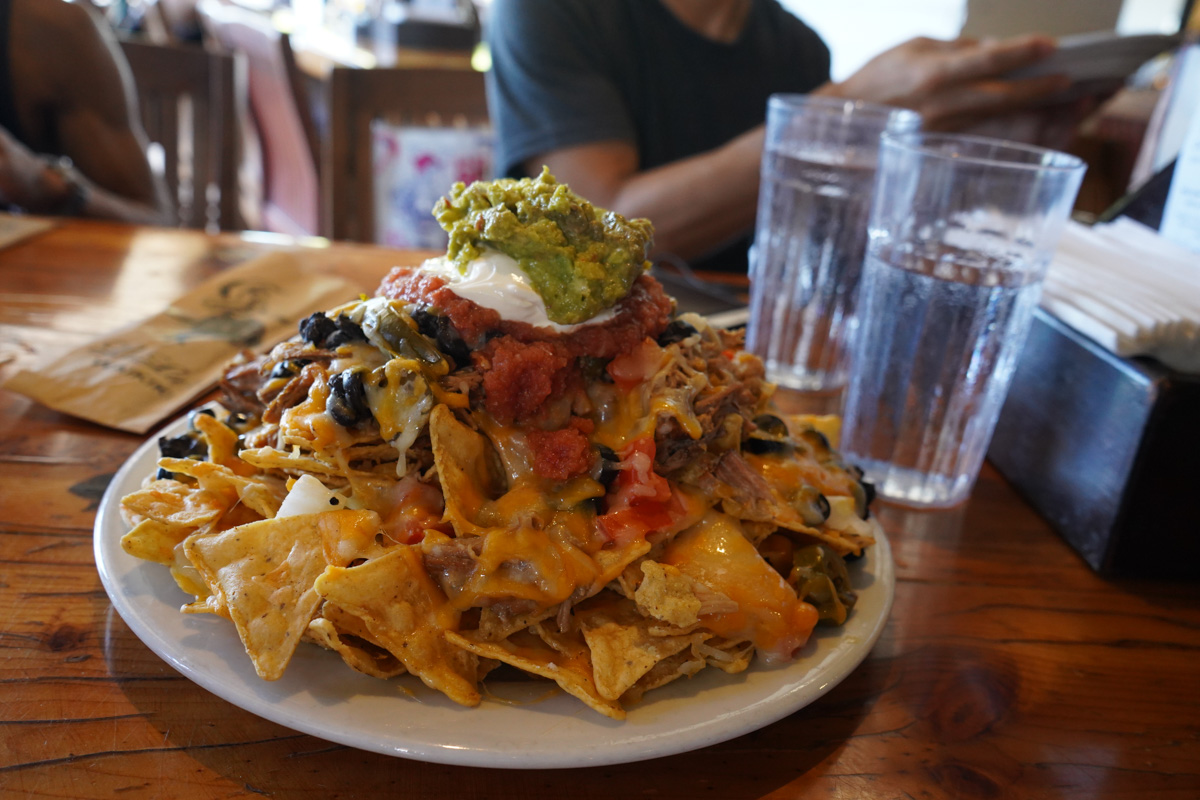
[(696, 203), (701, 202), (953, 84), (97, 126)]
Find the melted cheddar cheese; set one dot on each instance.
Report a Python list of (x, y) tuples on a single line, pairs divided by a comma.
[(716, 553)]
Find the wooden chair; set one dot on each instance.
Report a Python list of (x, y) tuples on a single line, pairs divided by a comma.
[(429, 97), (281, 113), (188, 101)]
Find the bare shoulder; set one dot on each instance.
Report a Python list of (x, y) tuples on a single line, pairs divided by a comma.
[(61, 26), (68, 22), (91, 76)]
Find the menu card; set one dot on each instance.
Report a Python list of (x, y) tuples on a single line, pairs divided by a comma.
[(17, 227), (1181, 215), (135, 377)]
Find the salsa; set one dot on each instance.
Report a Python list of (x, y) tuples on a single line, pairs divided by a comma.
[(580, 259), (525, 367)]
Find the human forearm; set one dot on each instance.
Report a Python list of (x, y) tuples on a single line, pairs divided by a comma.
[(953, 84), (65, 190), (700, 202), (696, 203)]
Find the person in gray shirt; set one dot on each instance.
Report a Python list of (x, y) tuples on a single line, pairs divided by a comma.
[(655, 108)]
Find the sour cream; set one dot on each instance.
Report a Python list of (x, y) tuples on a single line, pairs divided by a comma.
[(496, 281)]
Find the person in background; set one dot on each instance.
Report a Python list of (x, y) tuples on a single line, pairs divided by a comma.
[(656, 108), (71, 143)]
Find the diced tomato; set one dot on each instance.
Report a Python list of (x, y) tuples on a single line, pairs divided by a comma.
[(416, 507), (640, 501), (638, 365), (637, 479)]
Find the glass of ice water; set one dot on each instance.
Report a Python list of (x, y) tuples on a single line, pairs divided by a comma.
[(961, 232), (818, 169)]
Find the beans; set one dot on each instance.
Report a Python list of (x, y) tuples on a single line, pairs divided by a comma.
[(183, 446), (321, 331), (347, 402)]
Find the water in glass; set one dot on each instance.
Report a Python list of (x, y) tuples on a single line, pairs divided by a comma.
[(941, 333), (808, 256)]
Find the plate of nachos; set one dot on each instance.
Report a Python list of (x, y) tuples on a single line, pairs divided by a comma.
[(511, 511)]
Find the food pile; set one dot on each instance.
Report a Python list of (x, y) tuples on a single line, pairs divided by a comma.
[(516, 455)]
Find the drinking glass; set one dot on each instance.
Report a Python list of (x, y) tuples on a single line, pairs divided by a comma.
[(961, 232), (818, 169)]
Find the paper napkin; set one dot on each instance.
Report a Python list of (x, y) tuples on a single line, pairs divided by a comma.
[(1129, 289)]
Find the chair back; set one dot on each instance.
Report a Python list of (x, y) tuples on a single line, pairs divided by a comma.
[(188, 100), (281, 113), (401, 96)]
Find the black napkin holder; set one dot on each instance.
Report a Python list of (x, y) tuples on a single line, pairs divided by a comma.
[(1107, 449)]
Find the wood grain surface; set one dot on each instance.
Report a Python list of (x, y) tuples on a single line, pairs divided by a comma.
[(1008, 669)]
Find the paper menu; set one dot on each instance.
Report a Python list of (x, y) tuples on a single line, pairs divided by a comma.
[(17, 227), (138, 376), (1181, 215)]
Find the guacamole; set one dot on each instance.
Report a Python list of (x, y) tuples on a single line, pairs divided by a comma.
[(579, 258)]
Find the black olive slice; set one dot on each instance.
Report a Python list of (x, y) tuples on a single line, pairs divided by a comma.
[(762, 447), (813, 506), (771, 425), (347, 331), (608, 464), (439, 328), (285, 369), (316, 328), (676, 331), (347, 402)]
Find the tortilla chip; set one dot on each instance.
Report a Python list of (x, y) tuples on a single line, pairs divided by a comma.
[(352, 538), (613, 562), (307, 426), (569, 643), (264, 573), (189, 579), (155, 541), (359, 652), (222, 443), (622, 648), (261, 493), (239, 514), (526, 564), (300, 462), (173, 503), (845, 531), (406, 612), (732, 656), (494, 626), (665, 593), (683, 664), (465, 464), (526, 651)]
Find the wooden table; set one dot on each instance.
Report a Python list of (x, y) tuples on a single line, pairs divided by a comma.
[(1008, 669)]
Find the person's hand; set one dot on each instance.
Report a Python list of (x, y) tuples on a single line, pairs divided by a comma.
[(957, 83), (26, 180)]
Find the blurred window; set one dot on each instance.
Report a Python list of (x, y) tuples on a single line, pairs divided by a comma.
[(857, 31)]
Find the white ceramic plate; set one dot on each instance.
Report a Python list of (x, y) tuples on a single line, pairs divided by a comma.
[(521, 725)]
